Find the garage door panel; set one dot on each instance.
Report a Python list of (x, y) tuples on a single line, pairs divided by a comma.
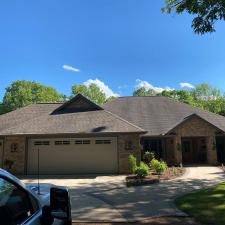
[(73, 158)]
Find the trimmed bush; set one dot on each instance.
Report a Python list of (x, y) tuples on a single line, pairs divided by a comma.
[(142, 170), (148, 156), (133, 163), (154, 163), (159, 166)]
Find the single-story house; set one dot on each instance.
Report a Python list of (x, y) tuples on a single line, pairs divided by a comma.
[(80, 137), (176, 132)]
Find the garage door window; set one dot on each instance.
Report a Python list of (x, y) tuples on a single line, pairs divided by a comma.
[(99, 142), (41, 143), (82, 142), (62, 142)]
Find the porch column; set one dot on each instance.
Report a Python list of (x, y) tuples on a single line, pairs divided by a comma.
[(211, 150), (177, 149)]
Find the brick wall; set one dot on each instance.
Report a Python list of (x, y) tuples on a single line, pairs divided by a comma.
[(196, 127), (128, 144), (14, 151)]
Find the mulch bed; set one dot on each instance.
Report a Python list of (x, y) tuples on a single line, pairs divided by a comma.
[(134, 180), (169, 174)]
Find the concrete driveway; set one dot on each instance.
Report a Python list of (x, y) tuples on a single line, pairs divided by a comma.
[(107, 199)]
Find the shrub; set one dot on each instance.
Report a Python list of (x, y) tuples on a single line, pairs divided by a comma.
[(159, 166), (142, 170), (154, 163), (133, 163), (148, 156)]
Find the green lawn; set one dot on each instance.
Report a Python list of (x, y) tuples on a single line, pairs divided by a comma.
[(206, 206)]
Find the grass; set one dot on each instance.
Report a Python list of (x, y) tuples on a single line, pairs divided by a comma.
[(206, 206)]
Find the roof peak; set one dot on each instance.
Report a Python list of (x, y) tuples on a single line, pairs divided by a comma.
[(79, 103)]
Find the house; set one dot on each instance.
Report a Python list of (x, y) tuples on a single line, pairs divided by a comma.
[(75, 137), (80, 137), (176, 132)]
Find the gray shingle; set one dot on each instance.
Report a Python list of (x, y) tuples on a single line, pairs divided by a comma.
[(158, 115), (38, 119)]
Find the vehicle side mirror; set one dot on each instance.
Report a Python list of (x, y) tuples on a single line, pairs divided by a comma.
[(60, 204)]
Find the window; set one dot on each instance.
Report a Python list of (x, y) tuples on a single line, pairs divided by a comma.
[(100, 142), (14, 147), (15, 204), (78, 142), (41, 143), (186, 146), (82, 142), (86, 142), (64, 142), (129, 145)]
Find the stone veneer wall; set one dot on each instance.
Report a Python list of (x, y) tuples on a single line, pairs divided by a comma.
[(196, 127), (124, 152), (17, 157)]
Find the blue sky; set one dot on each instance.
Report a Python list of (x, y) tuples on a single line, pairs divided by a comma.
[(122, 43)]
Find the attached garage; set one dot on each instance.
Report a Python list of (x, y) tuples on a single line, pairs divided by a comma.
[(75, 137), (73, 155)]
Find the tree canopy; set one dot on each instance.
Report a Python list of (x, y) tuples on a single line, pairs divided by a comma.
[(22, 93), (92, 92), (144, 92), (203, 96), (206, 12)]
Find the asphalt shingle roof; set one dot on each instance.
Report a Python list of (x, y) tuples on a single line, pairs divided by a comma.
[(39, 119), (158, 115)]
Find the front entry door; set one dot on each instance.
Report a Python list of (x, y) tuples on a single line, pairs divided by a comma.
[(187, 151)]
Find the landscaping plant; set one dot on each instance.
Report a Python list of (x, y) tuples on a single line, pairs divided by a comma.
[(159, 166), (133, 163), (148, 156), (142, 170)]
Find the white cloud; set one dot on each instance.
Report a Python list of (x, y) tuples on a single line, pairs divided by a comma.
[(187, 85), (70, 68), (103, 87), (147, 86)]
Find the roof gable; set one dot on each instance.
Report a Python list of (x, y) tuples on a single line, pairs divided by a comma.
[(77, 104), (189, 118)]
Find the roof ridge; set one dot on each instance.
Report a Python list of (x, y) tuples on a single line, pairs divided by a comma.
[(120, 118), (153, 96)]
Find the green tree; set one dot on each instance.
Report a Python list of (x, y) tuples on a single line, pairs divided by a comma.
[(180, 95), (143, 92), (22, 93), (92, 92), (205, 92), (206, 12)]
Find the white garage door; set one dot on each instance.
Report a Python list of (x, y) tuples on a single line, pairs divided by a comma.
[(73, 155)]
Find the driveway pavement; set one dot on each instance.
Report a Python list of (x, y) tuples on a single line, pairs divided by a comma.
[(107, 199)]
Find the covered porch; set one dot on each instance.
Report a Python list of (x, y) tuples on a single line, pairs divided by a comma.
[(185, 150)]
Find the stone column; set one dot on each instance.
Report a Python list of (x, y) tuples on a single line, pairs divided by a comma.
[(211, 150), (177, 149), (128, 144), (14, 155)]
